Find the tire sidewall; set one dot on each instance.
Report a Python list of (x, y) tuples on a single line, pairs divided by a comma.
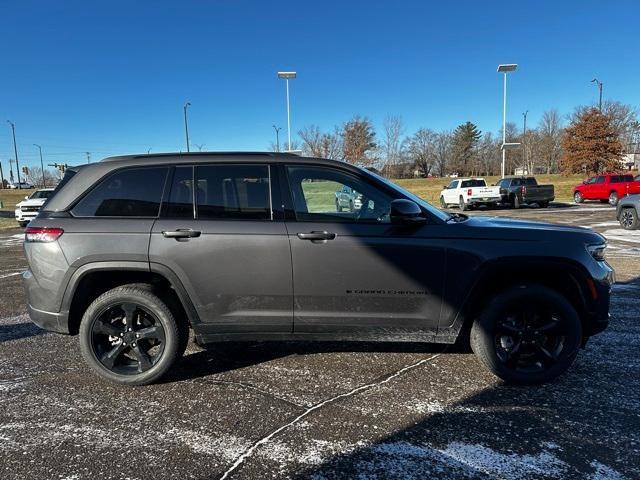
[(147, 300), (482, 333), (577, 197), (613, 198)]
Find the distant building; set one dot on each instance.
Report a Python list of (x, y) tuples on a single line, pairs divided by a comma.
[(631, 161)]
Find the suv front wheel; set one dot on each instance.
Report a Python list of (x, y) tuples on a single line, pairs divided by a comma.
[(527, 335), (129, 336)]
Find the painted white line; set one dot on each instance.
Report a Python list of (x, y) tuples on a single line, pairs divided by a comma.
[(622, 235), (11, 274), (361, 388), (605, 224)]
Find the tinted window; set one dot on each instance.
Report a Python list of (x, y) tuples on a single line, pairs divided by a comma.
[(233, 192), (313, 190), (627, 178), (591, 180), (180, 203), (41, 194), (453, 184), (531, 181), (600, 180), (615, 179), (473, 183), (134, 192)]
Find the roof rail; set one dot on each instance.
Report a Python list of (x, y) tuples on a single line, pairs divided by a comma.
[(200, 154)]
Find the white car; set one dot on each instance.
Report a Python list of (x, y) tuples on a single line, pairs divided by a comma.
[(21, 185), (468, 193), (27, 209)]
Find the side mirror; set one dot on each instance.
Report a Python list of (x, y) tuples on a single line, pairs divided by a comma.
[(26, 197), (446, 187), (406, 212)]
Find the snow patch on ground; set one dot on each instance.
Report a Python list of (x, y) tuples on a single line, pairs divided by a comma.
[(604, 472), (406, 460), (12, 240), (622, 235)]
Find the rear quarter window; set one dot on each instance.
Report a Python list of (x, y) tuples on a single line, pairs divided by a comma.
[(133, 192)]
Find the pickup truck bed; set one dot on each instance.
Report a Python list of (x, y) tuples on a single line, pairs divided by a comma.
[(519, 190)]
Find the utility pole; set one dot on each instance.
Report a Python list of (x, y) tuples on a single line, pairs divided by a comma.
[(599, 83), (186, 124), (11, 160), (277, 129), (524, 142), (1, 176), (15, 150), (88, 154), (44, 182)]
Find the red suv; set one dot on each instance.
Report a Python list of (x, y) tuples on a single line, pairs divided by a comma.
[(608, 187)]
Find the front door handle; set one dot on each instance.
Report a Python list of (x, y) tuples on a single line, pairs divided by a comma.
[(181, 233), (317, 236)]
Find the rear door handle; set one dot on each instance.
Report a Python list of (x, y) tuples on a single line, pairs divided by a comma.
[(181, 233), (317, 236)]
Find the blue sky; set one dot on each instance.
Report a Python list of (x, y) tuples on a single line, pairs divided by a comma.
[(112, 77)]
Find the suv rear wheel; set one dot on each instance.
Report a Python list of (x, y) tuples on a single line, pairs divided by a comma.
[(527, 335), (129, 336)]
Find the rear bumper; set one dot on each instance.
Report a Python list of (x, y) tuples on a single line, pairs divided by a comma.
[(51, 321), (483, 200)]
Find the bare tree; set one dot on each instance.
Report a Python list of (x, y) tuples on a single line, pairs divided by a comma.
[(35, 177), (421, 150), (550, 138), (392, 145), (443, 150), (318, 144)]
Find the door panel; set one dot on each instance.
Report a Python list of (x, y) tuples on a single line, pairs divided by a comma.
[(237, 273), (375, 278), (233, 258), (356, 272)]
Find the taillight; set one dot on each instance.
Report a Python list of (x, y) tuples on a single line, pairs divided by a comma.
[(469, 192), (524, 189), (42, 234)]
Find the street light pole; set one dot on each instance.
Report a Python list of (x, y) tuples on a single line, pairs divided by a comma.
[(186, 124), (524, 142), (15, 150), (599, 83), (277, 129), (44, 183), (286, 76), (505, 68), (88, 154)]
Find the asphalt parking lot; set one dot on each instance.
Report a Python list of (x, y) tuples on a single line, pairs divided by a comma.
[(324, 410)]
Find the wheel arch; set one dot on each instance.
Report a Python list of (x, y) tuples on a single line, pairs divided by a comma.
[(564, 276), (92, 280)]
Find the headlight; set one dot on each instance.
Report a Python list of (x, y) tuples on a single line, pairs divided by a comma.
[(597, 251)]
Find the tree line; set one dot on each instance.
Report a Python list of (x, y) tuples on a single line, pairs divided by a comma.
[(591, 141)]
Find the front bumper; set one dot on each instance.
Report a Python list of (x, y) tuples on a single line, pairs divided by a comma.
[(25, 216)]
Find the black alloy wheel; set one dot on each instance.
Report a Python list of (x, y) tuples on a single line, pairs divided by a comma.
[(127, 339)]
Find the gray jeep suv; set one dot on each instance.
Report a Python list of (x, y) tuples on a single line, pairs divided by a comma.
[(132, 252)]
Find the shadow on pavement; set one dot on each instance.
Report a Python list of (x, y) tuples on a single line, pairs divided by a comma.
[(16, 331)]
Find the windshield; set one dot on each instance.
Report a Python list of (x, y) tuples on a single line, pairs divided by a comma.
[(427, 206), (41, 194)]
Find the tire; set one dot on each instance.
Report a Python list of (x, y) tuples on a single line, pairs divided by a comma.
[(629, 219), (443, 204), (515, 202), (338, 207), (129, 312), (23, 224), (613, 198), (577, 197), (351, 209), (499, 336), (462, 205)]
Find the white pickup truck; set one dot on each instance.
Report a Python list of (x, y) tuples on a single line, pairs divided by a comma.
[(468, 193)]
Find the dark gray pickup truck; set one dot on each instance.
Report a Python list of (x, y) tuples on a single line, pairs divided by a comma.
[(518, 190)]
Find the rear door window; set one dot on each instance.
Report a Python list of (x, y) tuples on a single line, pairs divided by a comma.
[(233, 192), (600, 179), (133, 192)]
